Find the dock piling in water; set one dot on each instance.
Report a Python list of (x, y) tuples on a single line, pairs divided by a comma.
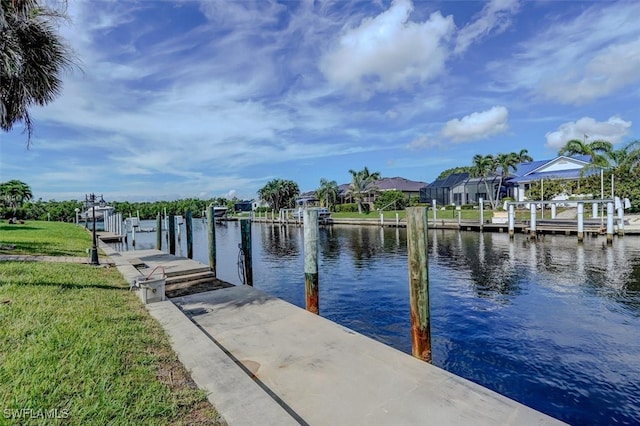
[(620, 220), (417, 248), (158, 231), (512, 220), (189, 229), (245, 237), (311, 231), (211, 233), (610, 222), (532, 226), (580, 222), (172, 234)]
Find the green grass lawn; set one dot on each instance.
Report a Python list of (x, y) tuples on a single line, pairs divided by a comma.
[(76, 344), (46, 238)]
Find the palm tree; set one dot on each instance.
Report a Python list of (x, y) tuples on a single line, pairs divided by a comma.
[(279, 193), (598, 150), (482, 167), (523, 156), (13, 193), (32, 58), (627, 156), (327, 193), (506, 162), (362, 183)]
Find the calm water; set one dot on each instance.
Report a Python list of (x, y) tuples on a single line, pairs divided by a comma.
[(552, 324)]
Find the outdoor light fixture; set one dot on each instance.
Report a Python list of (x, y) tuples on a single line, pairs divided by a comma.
[(90, 201)]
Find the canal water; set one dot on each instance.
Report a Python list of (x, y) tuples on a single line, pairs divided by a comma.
[(552, 324)]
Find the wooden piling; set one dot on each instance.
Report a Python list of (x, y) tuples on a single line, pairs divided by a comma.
[(245, 237), (609, 222), (434, 206), (417, 245), (158, 231), (620, 221), (580, 222), (311, 260), (512, 221), (481, 201), (532, 225), (188, 218), (172, 234), (211, 233)]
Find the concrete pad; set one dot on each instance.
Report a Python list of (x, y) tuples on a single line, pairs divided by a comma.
[(236, 396), (330, 375)]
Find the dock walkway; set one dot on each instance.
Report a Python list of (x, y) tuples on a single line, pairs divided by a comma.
[(264, 361)]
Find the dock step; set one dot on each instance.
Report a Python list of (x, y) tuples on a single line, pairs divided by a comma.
[(195, 286), (176, 279)]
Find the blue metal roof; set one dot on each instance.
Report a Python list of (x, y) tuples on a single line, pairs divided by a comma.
[(523, 169), (558, 174)]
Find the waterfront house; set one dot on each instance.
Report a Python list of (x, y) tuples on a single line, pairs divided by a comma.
[(410, 188), (560, 168), (461, 188)]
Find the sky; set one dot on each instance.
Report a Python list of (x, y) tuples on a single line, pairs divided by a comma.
[(179, 99)]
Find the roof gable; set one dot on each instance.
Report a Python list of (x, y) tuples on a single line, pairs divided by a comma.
[(562, 163)]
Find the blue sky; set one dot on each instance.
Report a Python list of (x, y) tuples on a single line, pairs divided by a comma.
[(215, 98)]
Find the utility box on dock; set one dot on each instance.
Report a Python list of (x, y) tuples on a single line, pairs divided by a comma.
[(151, 289)]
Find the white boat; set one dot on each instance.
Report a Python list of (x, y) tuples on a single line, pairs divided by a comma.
[(100, 212), (218, 212)]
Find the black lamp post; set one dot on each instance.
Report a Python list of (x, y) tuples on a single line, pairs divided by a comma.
[(90, 202)]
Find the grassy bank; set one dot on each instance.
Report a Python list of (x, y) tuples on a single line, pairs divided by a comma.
[(46, 238), (77, 345)]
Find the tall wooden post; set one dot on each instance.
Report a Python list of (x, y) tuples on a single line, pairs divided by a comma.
[(245, 236), (512, 220), (609, 222), (434, 206), (580, 222), (417, 245), (532, 225), (311, 260), (158, 231), (189, 227), (620, 220), (172, 234), (481, 201), (553, 210), (211, 233)]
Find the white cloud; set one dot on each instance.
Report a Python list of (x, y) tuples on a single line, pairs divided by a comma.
[(578, 60), (607, 71), (389, 51), (612, 130), (495, 16), (477, 125), (422, 142)]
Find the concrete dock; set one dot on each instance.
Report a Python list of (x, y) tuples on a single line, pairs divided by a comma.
[(317, 372), (264, 361)]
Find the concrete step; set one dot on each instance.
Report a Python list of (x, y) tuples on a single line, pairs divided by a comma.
[(194, 286), (192, 276)]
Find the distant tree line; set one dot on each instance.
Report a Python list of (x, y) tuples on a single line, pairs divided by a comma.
[(16, 201)]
